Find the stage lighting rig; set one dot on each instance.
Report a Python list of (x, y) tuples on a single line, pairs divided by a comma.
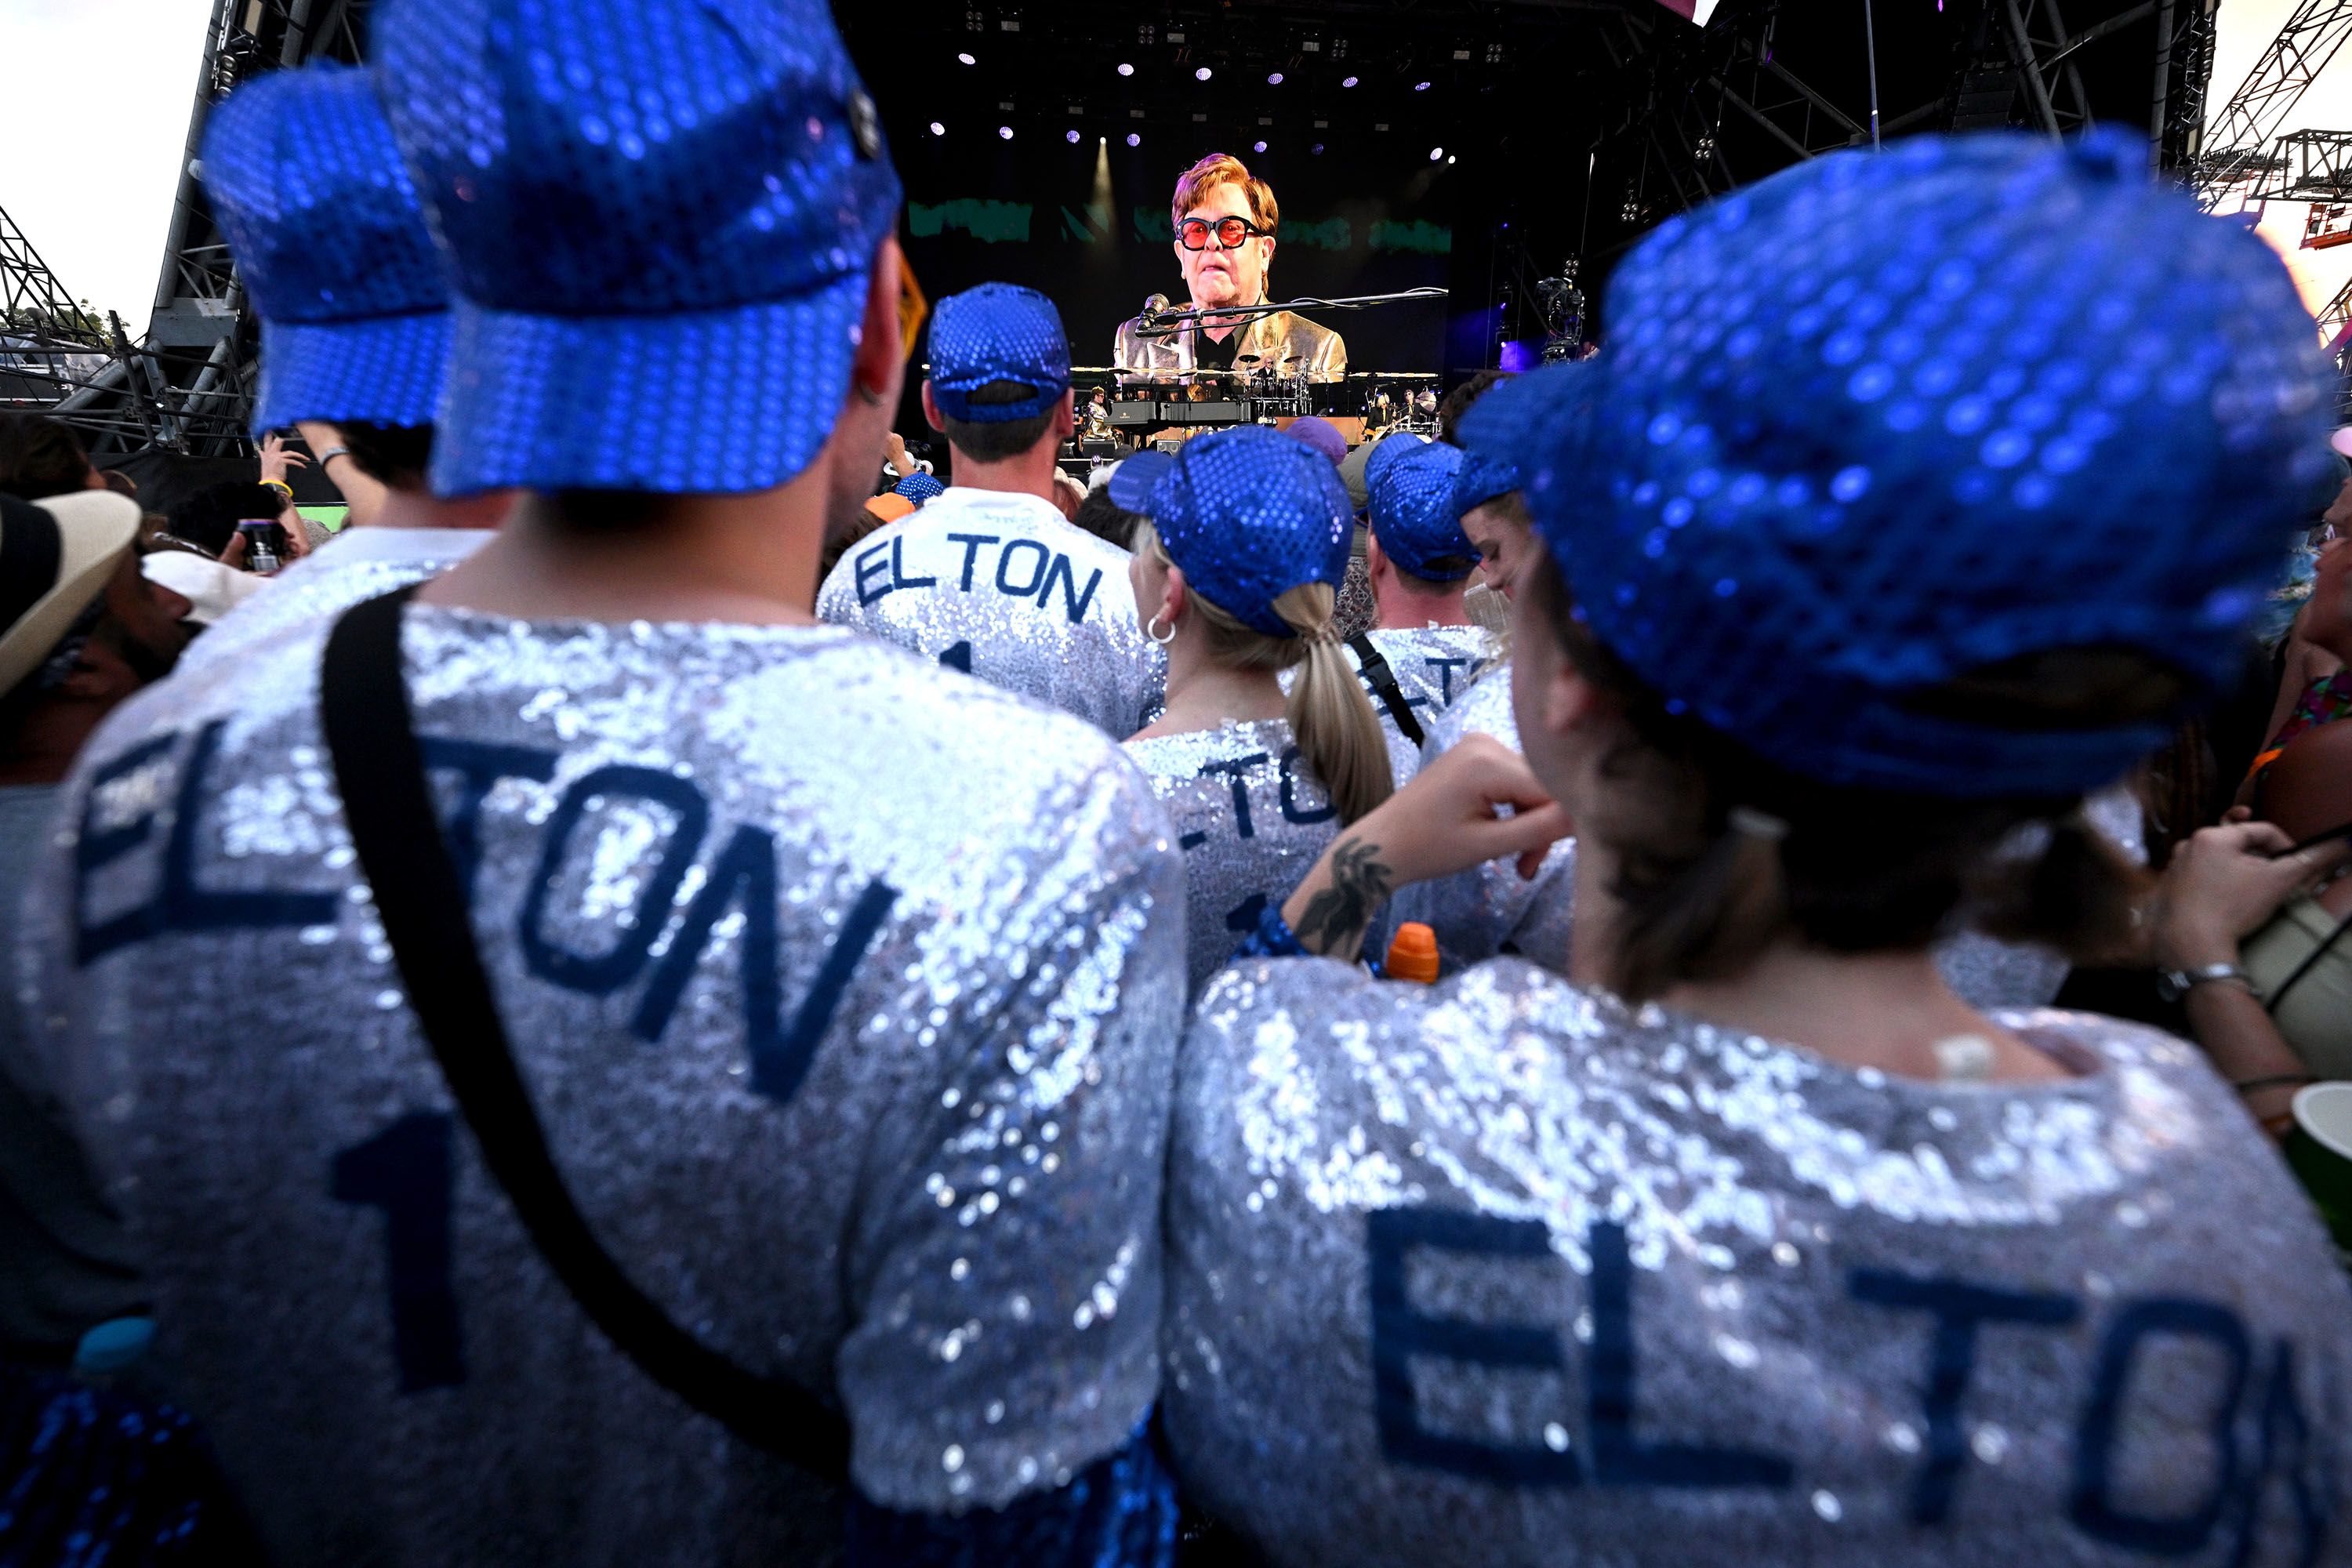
[(1562, 305)]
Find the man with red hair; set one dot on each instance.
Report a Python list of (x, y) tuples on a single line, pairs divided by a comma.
[(1223, 219)]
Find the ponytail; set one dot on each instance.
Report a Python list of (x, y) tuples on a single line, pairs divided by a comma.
[(1338, 734)]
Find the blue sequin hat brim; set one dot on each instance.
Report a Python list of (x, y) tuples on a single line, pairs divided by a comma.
[(709, 402), (1132, 482), (382, 371)]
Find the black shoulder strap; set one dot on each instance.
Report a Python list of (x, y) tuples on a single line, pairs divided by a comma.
[(380, 770), (1384, 683)]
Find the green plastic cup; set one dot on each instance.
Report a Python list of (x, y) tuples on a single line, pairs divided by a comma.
[(2319, 1149)]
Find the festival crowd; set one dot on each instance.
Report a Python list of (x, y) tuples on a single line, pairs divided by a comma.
[(660, 998)]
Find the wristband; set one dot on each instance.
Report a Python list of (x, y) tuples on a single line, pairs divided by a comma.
[(2172, 984), (331, 453), (2275, 1080), (281, 486)]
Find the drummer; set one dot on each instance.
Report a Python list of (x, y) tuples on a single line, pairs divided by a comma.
[(1224, 219)]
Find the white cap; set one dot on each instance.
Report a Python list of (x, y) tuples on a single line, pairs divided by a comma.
[(56, 555), (213, 588)]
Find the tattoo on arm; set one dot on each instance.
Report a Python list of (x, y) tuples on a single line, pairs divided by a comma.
[(1334, 920)]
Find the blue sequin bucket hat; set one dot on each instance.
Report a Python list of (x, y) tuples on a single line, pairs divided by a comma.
[(1480, 480), (661, 218), (998, 331), (1884, 419), (1247, 513), (1414, 516), (332, 248)]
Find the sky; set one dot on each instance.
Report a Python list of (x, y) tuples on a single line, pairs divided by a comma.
[(97, 217), (92, 121)]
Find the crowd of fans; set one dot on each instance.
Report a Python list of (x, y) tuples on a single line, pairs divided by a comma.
[(657, 999)]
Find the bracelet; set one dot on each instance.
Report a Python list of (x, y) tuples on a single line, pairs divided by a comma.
[(2275, 1080), (331, 453), (2172, 984), (281, 486)]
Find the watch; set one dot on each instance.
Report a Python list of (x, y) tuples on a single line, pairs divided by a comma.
[(2172, 984)]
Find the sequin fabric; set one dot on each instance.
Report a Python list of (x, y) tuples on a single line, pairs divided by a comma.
[(1499, 1270), (1988, 973), (998, 331), (927, 1187), (1002, 587), (331, 244), (1490, 908), (1251, 818), (715, 165), (1249, 515), (352, 568), (1413, 512), (1480, 480), (1879, 420), (1433, 666)]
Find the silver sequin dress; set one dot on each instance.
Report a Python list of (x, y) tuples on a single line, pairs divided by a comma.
[(1251, 819), (847, 987), (1988, 973), (1490, 910), (354, 566), (1500, 1272), (1433, 666), (1000, 586)]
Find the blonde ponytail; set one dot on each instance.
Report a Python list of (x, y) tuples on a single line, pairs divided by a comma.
[(1338, 734)]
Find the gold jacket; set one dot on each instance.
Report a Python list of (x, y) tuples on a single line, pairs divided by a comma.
[(1283, 338)]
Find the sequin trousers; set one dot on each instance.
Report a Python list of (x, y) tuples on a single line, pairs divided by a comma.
[(846, 991)]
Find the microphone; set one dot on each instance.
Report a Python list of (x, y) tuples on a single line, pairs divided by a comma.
[(1154, 308)]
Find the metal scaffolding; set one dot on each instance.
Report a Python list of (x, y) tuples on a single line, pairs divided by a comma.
[(187, 386), (2238, 152)]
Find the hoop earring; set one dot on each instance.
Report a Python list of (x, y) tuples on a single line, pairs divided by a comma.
[(870, 397), (1151, 629)]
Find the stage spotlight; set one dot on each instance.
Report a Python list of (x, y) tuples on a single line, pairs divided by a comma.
[(1318, 149), (1072, 136), (1274, 81), (1204, 74), (1421, 87), (1005, 132), (1133, 140), (1125, 70), (1257, 147), (967, 60), (938, 128), (1349, 82), (1435, 154), (1449, 159)]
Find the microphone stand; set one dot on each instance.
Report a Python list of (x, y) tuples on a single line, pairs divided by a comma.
[(1168, 323)]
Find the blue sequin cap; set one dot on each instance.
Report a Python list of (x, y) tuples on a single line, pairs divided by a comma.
[(1480, 480), (998, 331), (1248, 514), (919, 488), (662, 219), (331, 247), (1413, 515), (1886, 418)]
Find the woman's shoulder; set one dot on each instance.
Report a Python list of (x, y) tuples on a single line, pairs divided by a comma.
[(1185, 753), (2308, 789)]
